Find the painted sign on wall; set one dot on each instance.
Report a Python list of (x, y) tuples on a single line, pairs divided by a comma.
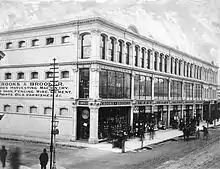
[(35, 89)]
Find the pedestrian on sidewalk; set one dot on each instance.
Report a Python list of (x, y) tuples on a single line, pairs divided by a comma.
[(15, 158), (205, 133), (151, 130), (43, 159), (3, 154), (198, 133)]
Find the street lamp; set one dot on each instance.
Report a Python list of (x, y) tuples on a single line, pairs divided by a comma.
[(55, 132)]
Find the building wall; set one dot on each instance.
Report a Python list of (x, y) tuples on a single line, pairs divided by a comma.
[(38, 58)]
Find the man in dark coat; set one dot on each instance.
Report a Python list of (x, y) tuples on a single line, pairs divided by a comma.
[(43, 159), (3, 154)]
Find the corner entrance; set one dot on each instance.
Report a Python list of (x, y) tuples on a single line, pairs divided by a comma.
[(83, 116)]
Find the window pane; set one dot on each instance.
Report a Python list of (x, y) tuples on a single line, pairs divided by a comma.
[(84, 83), (64, 112)]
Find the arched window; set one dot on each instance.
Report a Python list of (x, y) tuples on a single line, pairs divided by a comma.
[(171, 65), (63, 112), (112, 49), (33, 109), (175, 66), (47, 110), (48, 75), (8, 45), (103, 39), (120, 46), (165, 63), (136, 56), (127, 52), (187, 72), (142, 57), (180, 65), (155, 60), (19, 109), (161, 62), (7, 108), (85, 46), (148, 58), (191, 68), (20, 75)]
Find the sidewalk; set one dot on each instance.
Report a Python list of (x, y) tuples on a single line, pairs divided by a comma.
[(130, 145)]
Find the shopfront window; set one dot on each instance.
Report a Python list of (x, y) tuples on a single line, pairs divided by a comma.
[(188, 91), (114, 84), (142, 87), (84, 83), (148, 87), (176, 90), (160, 89), (136, 86)]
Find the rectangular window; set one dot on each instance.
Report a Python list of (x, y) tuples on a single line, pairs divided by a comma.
[(20, 75), (148, 87), (103, 84), (34, 75), (48, 75), (49, 41), (35, 42), (21, 44), (111, 84), (136, 86), (64, 74), (65, 39), (7, 76), (9, 45), (33, 110), (84, 83)]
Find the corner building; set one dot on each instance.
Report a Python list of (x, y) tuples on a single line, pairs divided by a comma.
[(110, 78)]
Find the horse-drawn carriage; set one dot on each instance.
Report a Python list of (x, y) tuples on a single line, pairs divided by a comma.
[(190, 130)]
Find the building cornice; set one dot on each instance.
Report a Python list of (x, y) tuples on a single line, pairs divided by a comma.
[(105, 22)]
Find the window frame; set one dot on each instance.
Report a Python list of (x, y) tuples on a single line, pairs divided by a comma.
[(33, 42), (8, 74), (33, 107), (64, 38), (22, 44), (63, 74), (8, 45), (20, 76), (50, 41), (32, 75)]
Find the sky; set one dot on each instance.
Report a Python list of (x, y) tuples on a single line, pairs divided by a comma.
[(192, 26)]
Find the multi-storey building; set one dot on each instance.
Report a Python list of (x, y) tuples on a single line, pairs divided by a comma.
[(111, 77)]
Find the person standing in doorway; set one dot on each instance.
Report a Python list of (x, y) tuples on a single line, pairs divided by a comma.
[(3, 154), (43, 159)]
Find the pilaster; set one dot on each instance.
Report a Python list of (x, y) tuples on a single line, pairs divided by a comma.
[(76, 42), (169, 80), (152, 88), (177, 66), (95, 48), (131, 117), (75, 80), (132, 85), (132, 54), (152, 59), (163, 61), (74, 122), (168, 116), (192, 70), (94, 81), (93, 128), (158, 60)]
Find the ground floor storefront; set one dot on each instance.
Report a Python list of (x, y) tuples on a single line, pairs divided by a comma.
[(98, 123)]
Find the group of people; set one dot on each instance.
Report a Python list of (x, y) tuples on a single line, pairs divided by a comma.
[(187, 131), (14, 158)]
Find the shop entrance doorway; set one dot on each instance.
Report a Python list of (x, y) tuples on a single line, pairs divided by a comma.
[(83, 117)]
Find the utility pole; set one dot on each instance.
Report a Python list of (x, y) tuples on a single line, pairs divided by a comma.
[(53, 121)]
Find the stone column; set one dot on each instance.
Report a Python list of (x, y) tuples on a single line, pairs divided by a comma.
[(177, 66), (181, 67), (131, 117), (168, 64), (158, 60), (75, 79), (74, 122), (183, 91), (152, 89), (132, 54), (192, 70), (169, 98), (168, 116), (123, 53), (116, 51), (95, 42), (94, 82), (163, 61), (139, 57), (93, 127), (132, 85)]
